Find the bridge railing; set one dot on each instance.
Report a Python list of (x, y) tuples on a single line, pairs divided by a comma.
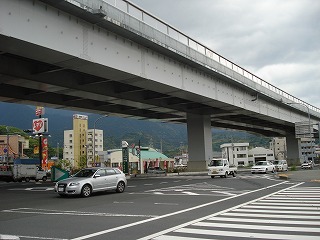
[(175, 40)]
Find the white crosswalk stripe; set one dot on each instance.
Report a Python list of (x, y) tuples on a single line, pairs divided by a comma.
[(291, 214)]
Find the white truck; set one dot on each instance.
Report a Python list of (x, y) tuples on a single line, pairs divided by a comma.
[(221, 167), (27, 172), (22, 172)]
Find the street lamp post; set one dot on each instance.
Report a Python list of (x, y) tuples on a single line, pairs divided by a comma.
[(94, 137), (310, 133)]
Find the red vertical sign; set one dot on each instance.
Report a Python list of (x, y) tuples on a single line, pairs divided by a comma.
[(44, 153)]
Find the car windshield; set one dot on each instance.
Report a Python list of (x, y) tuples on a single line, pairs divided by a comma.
[(277, 162), (216, 163), (85, 173), (261, 163)]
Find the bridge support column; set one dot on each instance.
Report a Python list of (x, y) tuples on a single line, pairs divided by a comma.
[(293, 149), (199, 141)]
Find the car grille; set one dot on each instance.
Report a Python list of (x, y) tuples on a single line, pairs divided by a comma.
[(62, 187)]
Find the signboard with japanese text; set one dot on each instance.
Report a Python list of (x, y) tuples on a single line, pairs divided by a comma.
[(125, 157), (44, 152), (40, 125)]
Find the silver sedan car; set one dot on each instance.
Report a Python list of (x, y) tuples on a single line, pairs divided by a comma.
[(90, 180)]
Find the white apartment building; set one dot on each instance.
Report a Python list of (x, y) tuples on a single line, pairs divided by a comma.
[(236, 153), (239, 154)]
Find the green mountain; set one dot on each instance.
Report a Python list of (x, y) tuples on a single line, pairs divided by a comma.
[(171, 138)]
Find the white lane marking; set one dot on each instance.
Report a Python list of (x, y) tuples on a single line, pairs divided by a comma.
[(73, 213), (153, 236), (299, 198), (173, 204), (131, 186), (311, 208), (234, 214), (285, 203), (163, 182), (273, 211), (33, 189), (267, 221), (226, 193), (191, 193), (33, 237), (247, 235), (181, 238), (170, 214), (257, 227), (123, 202)]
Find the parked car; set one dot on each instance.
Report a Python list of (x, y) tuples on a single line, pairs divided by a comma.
[(90, 180), (156, 170), (280, 165), (262, 167), (307, 165)]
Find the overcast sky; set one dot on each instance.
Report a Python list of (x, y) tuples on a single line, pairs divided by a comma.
[(277, 40)]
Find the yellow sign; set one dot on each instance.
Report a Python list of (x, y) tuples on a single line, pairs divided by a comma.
[(36, 150)]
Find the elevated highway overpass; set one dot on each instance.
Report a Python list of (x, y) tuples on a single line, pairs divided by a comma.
[(113, 57)]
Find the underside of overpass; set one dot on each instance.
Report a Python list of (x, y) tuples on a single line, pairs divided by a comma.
[(28, 81), (38, 75), (31, 74)]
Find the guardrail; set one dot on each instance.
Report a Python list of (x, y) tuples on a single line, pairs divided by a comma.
[(156, 23)]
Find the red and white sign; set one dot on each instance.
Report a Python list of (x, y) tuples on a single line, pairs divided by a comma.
[(40, 125), (39, 111)]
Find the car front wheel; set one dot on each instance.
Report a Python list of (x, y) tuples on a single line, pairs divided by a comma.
[(86, 191), (120, 187)]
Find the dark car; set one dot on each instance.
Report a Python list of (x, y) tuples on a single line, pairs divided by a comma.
[(156, 170)]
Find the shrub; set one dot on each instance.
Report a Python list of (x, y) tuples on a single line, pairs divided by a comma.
[(293, 168)]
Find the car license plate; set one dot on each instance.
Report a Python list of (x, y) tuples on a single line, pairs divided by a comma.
[(214, 172), (61, 189)]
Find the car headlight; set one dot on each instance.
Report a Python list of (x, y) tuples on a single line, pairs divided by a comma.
[(220, 170), (74, 184)]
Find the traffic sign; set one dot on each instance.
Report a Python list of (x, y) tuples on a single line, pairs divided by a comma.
[(58, 174)]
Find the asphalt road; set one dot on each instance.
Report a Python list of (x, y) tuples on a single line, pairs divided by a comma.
[(151, 208)]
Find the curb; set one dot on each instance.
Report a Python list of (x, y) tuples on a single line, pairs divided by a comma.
[(283, 176)]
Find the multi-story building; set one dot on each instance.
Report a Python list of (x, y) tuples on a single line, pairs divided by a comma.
[(239, 154), (12, 146), (308, 148), (279, 147), (94, 146), (236, 153), (78, 143)]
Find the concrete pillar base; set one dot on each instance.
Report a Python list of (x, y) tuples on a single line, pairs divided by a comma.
[(197, 166)]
